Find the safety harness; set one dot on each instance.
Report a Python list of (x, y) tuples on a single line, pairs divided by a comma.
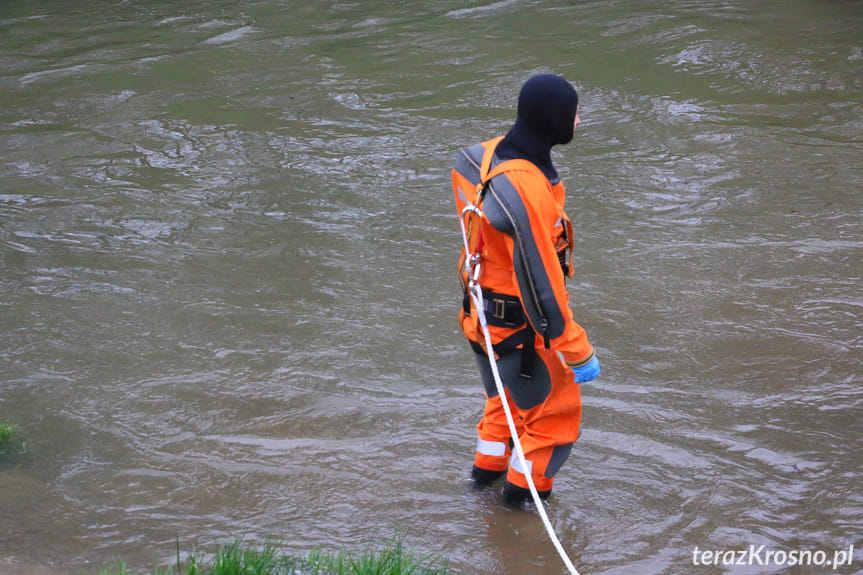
[(503, 310), (470, 267)]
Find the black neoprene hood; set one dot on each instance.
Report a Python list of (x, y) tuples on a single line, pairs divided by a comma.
[(547, 105)]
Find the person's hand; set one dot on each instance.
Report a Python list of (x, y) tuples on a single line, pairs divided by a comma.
[(587, 372)]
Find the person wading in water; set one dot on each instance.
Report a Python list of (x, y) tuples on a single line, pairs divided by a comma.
[(524, 243)]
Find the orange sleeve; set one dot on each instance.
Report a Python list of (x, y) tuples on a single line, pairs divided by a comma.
[(526, 210)]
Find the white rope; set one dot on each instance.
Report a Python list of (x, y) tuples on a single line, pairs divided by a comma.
[(476, 295)]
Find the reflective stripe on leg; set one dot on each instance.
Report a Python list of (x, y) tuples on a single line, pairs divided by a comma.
[(515, 464), (491, 448)]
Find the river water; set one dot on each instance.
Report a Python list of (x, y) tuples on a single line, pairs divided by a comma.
[(228, 286)]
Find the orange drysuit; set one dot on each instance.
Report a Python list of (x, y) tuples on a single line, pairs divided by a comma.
[(522, 240)]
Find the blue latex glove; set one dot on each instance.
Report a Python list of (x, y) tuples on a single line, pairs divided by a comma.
[(587, 372)]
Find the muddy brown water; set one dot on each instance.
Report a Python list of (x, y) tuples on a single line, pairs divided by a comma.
[(228, 287)]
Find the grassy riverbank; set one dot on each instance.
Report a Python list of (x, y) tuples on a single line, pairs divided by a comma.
[(239, 560)]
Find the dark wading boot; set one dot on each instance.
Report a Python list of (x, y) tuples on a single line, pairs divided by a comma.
[(517, 497), (482, 478)]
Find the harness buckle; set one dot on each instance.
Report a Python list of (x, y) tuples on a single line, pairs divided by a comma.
[(499, 309)]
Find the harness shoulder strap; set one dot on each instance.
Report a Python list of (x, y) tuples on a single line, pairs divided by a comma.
[(485, 166), (486, 172)]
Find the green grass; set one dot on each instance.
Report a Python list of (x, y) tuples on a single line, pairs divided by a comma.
[(239, 560), (7, 432), (393, 560)]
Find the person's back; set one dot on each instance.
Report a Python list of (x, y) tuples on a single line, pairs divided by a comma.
[(523, 242)]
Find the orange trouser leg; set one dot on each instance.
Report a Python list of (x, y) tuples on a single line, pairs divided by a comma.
[(547, 410), (493, 445)]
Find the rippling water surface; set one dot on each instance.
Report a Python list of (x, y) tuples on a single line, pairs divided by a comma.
[(228, 289)]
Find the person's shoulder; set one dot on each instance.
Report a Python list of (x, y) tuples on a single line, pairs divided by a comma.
[(469, 157), (531, 185)]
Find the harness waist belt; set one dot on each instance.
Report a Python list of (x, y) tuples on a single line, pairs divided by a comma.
[(501, 310)]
